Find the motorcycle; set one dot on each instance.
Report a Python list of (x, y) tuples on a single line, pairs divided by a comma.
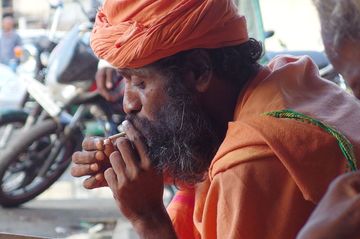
[(37, 147), (16, 104), (12, 92)]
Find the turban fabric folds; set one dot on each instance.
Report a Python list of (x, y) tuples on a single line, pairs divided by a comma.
[(135, 33)]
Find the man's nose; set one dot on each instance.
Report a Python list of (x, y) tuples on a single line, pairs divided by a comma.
[(131, 102)]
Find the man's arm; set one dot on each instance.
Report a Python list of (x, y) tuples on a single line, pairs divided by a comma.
[(108, 82), (137, 187), (338, 213), (254, 199), (159, 226)]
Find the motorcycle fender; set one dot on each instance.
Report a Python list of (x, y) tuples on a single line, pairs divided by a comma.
[(7, 115)]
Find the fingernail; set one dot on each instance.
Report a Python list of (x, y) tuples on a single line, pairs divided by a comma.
[(99, 177), (99, 143), (94, 167), (99, 156)]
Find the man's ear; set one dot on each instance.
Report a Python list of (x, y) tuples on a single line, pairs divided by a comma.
[(199, 63)]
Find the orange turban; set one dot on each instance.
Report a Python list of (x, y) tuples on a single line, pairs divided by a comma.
[(134, 33)]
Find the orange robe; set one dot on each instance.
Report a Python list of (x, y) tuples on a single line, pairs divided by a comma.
[(269, 173)]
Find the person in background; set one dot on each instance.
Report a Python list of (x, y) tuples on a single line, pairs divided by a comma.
[(338, 214), (109, 83), (252, 148), (340, 30), (9, 41)]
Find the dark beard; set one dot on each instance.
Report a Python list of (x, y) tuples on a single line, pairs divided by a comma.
[(181, 141)]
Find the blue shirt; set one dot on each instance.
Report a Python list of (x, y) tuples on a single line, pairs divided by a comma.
[(8, 41)]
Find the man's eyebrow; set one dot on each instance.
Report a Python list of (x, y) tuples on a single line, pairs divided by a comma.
[(141, 72)]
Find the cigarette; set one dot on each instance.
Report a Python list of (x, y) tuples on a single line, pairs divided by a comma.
[(115, 136), (108, 146)]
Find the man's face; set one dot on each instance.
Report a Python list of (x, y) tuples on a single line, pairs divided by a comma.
[(7, 24), (346, 60), (179, 135)]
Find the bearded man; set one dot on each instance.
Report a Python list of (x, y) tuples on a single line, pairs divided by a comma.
[(252, 148)]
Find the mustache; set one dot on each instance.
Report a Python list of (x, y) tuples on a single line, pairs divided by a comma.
[(145, 127), (133, 119), (139, 123)]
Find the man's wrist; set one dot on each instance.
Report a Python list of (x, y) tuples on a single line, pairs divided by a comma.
[(155, 225)]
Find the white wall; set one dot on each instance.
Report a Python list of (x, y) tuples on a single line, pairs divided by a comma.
[(40, 10), (295, 23)]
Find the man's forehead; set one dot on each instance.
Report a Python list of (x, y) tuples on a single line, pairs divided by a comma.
[(8, 20), (146, 71)]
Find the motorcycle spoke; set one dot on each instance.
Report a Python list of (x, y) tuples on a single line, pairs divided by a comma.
[(12, 182), (7, 132), (23, 172), (45, 151)]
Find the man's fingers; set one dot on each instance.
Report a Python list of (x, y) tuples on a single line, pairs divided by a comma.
[(100, 156), (111, 178), (84, 170), (100, 78), (129, 156), (109, 78), (137, 139), (93, 143), (118, 166), (92, 182), (85, 157), (100, 73)]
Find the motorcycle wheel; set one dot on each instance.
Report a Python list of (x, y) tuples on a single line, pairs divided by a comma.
[(22, 160)]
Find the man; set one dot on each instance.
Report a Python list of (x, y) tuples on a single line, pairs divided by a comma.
[(340, 30), (337, 215), (251, 148), (9, 40)]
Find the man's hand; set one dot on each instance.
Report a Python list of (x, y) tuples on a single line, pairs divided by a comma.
[(106, 80), (137, 187), (338, 213), (92, 162)]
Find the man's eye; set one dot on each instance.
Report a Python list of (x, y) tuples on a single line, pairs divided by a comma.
[(140, 84)]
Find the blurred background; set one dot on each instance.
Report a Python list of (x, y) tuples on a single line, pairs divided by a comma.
[(295, 22), (37, 14)]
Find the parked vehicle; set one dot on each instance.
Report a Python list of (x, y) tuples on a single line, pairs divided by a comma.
[(15, 102), (37, 146)]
